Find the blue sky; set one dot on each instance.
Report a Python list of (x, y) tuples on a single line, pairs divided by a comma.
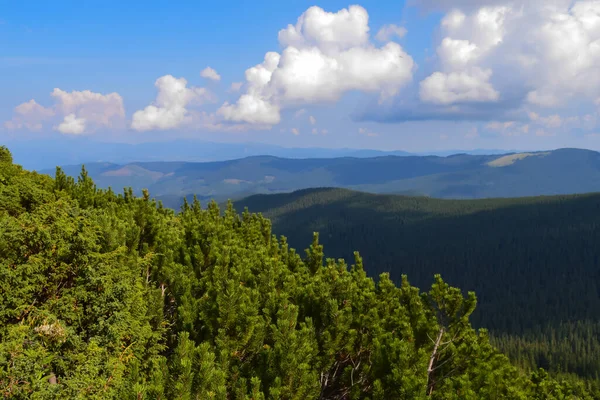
[(447, 75)]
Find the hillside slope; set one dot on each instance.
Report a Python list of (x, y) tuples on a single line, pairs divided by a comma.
[(561, 171), (524, 255), (535, 261)]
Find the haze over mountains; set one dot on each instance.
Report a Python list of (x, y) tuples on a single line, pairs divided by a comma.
[(460, 176), (46, 154)]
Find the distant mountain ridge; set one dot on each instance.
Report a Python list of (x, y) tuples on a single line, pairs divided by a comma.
[(47, 153), (460, 176)]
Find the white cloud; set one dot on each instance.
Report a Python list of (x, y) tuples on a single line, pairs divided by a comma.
[(456, 54), (472, 86), (96, 108), (315, 131), (316, 27), (29, 115), (295, 131), (254, 107), (83, 111), (551, 47), (71, 125), (170, 107), (548, 50), (568, 56), (454, 19), (324, 131), (210, 73), (325, 55), (236, 86), (389, 31), (251, 109), (483, 29), (468, 39), (309, 75), (312, 120)]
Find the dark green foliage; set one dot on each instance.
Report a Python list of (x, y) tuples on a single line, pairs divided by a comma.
[(106, 296), (572, 347), (534, 262)]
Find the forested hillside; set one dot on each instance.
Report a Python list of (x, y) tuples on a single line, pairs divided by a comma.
[(562, 171), (534, 262), (112, 296)]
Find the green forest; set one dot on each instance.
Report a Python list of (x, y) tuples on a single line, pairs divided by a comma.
[(533, 262), (106, 295)]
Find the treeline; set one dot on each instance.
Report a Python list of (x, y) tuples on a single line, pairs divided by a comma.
[(566, 348), (534, 262), (107, 295)]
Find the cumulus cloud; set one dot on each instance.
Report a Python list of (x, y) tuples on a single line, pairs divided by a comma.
[(29, 115), (170, 109), (72, 125), (211, 74), (509, 56), (469, 38), (312, 120), (325, 55), (472, 86), (567, 63), (251, 109), (295, 131), (82, 112), (95, 108), (387, 32), (456, 53), (316, 27), (453, 20)]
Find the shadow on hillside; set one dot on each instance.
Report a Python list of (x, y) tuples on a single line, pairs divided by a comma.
[(520, 256)]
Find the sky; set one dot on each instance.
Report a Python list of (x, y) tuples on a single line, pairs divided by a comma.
[(419, 75)]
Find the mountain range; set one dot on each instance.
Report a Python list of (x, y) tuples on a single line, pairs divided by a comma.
[(459, 176), (48, 153)]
